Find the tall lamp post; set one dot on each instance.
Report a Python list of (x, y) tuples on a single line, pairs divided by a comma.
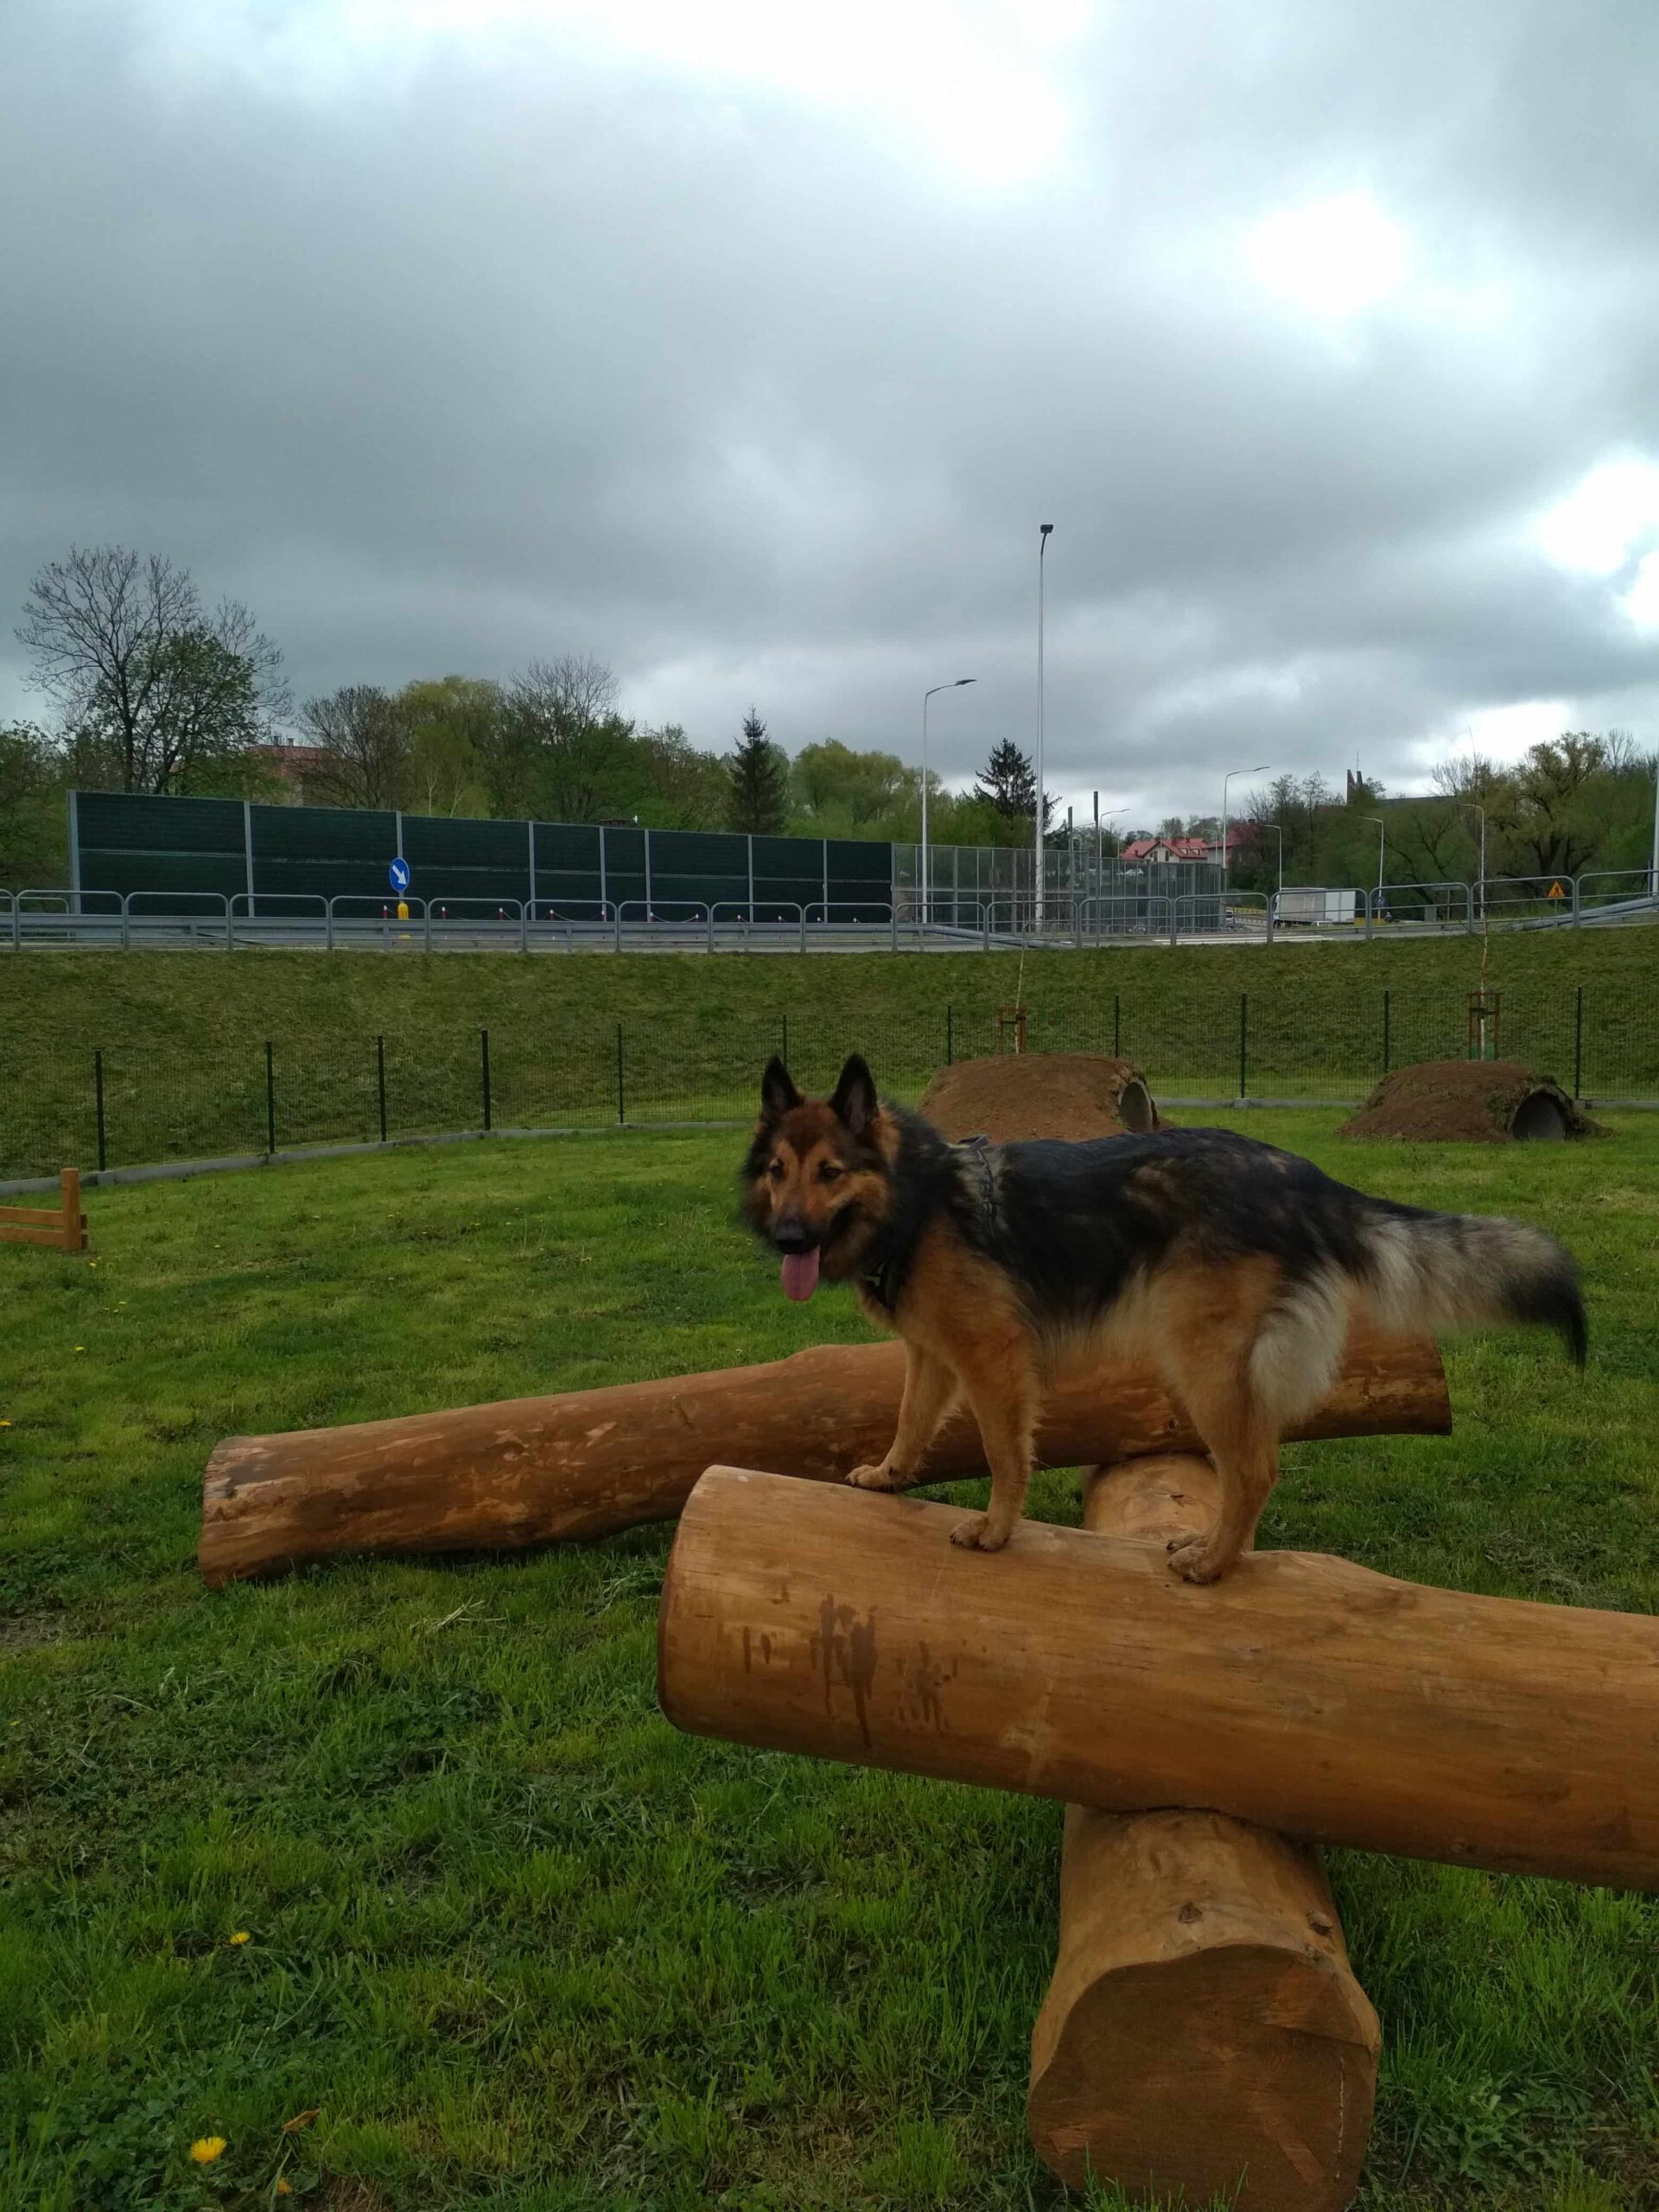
[(927, 881), (1278, 831), (1043, 531), (1382, 831), (1225, 780)]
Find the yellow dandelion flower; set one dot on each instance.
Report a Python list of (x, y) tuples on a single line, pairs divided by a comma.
[(283, 2188), (240, 1936), (80, 1347), (5, 1424), (206, 2148)]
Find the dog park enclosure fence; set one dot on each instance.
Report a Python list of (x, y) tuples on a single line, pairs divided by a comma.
[(132, 1105)]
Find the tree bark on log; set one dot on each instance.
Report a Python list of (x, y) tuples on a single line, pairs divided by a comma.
[(1204, 2037), (1300, 1693), (586, 1463)]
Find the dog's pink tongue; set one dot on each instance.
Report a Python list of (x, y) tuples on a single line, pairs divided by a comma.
[(800, 1275)]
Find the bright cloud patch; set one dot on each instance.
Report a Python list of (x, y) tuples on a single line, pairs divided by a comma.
[(1333, 258), (1597, 527)]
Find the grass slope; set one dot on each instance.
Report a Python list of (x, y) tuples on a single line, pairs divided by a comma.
[(590, 1040), (512, 1943)]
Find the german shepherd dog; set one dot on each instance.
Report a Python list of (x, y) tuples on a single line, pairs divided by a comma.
[(1231, 1266)]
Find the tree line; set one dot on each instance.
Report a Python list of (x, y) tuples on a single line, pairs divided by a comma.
[(152, 690)]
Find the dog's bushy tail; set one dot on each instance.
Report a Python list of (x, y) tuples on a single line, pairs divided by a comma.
[(1468, 1271)]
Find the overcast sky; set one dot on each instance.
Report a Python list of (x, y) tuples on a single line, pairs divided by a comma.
[(745, 346)]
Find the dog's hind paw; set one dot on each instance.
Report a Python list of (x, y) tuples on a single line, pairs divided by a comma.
[(1192, 1559), (871, 1476), (976, 1535)]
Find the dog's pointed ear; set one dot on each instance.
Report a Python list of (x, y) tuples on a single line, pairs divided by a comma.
[(854, 1101), (778, 1096)]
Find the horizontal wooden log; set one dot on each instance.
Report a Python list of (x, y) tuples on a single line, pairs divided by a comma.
[(36, 1216), (1203, 2038), (588, 1462), (1301, 1692)]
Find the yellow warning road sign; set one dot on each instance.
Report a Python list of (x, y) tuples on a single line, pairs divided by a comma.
[(1556, 892)]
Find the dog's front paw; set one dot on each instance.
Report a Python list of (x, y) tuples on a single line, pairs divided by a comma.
[(1194, 1561), (874, 1478), (976, 1535)]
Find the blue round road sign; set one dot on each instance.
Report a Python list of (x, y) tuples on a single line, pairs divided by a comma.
[(399, 874)]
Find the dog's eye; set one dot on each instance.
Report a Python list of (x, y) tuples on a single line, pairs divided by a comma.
[(827, 1171), (776, 1171)]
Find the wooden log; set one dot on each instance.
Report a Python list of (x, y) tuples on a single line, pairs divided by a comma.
[(1300, 1692), (1203, 2037), (588, 1462)]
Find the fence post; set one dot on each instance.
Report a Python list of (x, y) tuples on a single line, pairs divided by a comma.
[(98, 1093), (802, 929), (950, 1034), (484, 1074), (270, 1100), (380, 1082), (1578, 1042), (524, 918), (1575, 902), (74, 1236), (1387, 1040), (1371, 916), (621, 1093), (892, 915), (1243, 1041)]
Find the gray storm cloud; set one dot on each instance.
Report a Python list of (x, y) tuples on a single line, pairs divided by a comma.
[(446, 349)]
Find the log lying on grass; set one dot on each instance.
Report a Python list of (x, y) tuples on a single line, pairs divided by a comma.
[(1203, 2037), (589, 1462), (1304, 1694)]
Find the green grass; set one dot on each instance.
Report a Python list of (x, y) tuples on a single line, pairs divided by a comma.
[(183, 1035), (518, 1943)]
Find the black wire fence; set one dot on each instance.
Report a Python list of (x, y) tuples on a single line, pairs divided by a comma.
[(126, 1105)]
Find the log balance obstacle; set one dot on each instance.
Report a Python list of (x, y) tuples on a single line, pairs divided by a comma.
[(586, 1463), (1203, 2037), (1299, 1692)]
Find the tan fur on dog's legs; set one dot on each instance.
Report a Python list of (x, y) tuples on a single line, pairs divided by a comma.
[(930, 1392), (1005, 1399), (1246, 1454)]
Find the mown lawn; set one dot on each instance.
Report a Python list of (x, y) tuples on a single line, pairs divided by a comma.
[(393, 1876)]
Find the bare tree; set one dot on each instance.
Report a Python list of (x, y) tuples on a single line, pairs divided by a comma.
[(360, 746), (147, 684)]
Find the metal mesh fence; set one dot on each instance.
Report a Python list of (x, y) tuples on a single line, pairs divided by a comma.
[(132, 1105)]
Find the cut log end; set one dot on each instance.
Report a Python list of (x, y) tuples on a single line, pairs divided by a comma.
[(1204, 2037)]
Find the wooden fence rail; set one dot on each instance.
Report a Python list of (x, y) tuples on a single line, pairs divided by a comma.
[(63, 1226)]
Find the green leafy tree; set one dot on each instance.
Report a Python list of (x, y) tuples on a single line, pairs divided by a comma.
[(153, 694), (757, 782), (565, 752), (453, 724), (33, 821)]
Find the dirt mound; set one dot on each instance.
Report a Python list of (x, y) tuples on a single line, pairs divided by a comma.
[(1480, 1101), (1070, 1095)]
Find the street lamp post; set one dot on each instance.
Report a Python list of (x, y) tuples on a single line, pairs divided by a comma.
[(1381, 830), (1225, 780), (927, 891), (1043, 531), (1278, 830)]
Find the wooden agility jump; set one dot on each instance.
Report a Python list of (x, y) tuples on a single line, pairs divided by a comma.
[(588, 1462), (63, 1226)]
